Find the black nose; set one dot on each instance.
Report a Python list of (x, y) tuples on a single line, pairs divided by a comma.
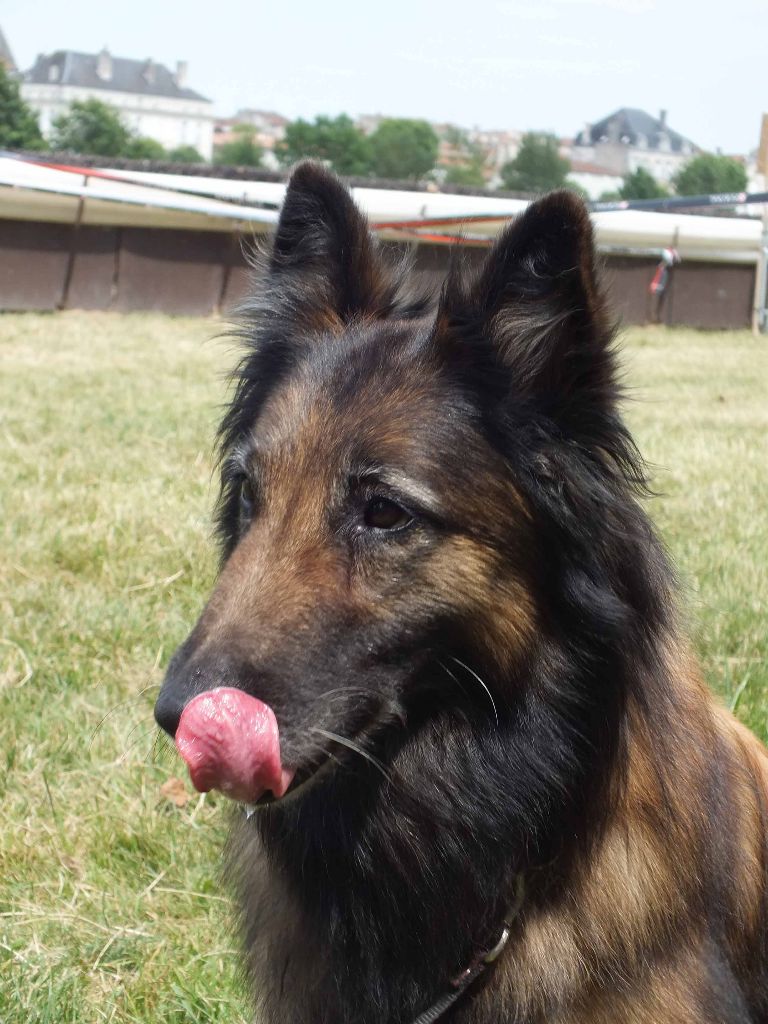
[(168, 710), (179, 687), (191, 672)]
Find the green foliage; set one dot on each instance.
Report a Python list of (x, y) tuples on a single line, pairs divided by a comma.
[(142, 148), (469, 170), (709, 173), (92, 127), (244, 151), (403, 149), (333, 140), (18, 123), (574, 186), (641, 184), (185, 155), (469, 174), (537, 167)]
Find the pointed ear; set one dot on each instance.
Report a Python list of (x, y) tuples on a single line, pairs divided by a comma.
[(323, 258), (537, 303)]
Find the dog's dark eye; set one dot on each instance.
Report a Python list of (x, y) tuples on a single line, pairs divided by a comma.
[(383, 514), (246, 502)]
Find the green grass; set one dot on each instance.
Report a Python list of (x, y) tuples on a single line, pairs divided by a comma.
[(110, 908)]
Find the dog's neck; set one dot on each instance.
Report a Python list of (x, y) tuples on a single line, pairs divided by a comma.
[(394, 891)]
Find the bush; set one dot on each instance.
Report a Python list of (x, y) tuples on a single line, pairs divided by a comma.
[(709, 173), (403, 149), (185, 155), (142, 148), (335, 141), (538, 166), (91, 127), (641, 185), (18, 123), (244, 151)]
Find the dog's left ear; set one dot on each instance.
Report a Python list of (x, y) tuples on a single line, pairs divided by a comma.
[(324, 260), (537, 303)]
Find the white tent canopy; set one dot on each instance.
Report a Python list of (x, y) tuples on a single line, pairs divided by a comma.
[(34, 191)]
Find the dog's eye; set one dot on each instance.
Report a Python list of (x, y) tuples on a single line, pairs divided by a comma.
[(246, 500), (383, 514)]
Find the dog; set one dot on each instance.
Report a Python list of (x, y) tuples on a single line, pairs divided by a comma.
[(442, 667)]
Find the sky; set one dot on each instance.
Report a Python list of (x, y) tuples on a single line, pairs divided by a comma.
[(546, 64)]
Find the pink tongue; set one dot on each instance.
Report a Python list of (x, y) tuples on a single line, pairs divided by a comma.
[(230, 742)]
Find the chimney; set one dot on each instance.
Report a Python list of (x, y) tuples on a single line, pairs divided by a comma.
[(586, 134), (148, 74), (180, 78), (663, 120), (104, 65)]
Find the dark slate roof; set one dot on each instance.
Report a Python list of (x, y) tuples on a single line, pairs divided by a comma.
[(127, 75), (632, 126), (6, 57)]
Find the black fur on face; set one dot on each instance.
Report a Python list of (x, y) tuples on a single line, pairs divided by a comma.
[(487, 652)]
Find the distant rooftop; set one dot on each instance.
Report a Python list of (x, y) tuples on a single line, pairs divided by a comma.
[(267, 116), (586, 167), (113, 74), (634, 127)]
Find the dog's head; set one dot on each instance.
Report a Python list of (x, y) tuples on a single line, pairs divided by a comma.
[(386, 472)]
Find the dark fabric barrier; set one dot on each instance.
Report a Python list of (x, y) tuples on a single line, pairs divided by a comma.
[(49, 266)]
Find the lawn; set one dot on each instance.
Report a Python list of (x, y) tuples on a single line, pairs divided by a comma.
[(110, 908)]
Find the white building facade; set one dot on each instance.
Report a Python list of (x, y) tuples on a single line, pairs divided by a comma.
[(630, 139), (153, 101)]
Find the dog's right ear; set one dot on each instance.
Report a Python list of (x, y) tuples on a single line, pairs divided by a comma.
[(536, 304), (324, 262)]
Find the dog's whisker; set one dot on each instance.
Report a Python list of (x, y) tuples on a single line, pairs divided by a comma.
[(128, 702), (132, 746), (453, 676), (351, 745), (484, 686), (345, 690)]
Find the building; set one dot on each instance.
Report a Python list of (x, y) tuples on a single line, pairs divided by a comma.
[(153, 101), (268, 130), (500, 146), (270, 126), (628, 139), (595, 180), (495, 148)]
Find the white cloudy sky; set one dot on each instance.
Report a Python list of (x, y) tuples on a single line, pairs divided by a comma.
[(549, 64)]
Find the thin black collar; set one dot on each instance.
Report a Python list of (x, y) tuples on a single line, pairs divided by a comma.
[(479, 964)]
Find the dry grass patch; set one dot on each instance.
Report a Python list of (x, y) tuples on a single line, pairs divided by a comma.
[(109, 904)]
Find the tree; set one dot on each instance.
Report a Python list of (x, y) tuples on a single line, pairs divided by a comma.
[(468, 165), (243, 151), (538, 165), (18, 125), (185, 155), (402, 149), (334, 140), (641, 184), (142, 148), (709, 173), (92, 127)]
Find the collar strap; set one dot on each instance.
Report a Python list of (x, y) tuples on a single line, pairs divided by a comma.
[(480, 963)]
